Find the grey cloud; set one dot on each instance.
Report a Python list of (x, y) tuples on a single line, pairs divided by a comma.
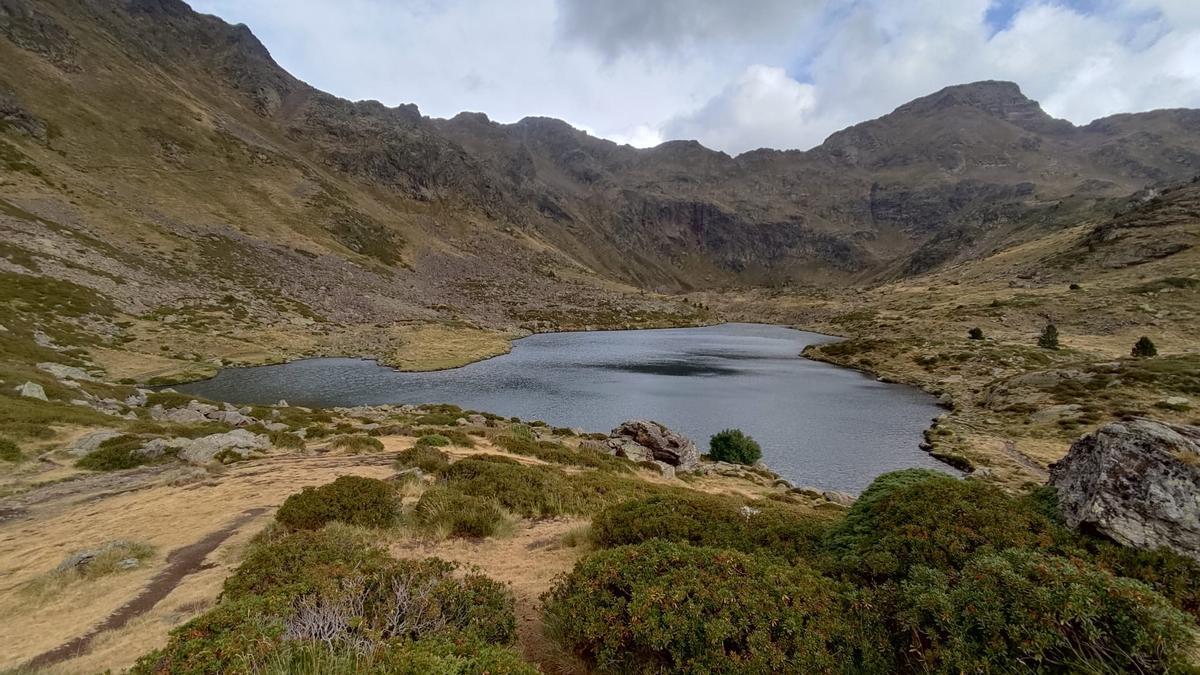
[(616, 27)]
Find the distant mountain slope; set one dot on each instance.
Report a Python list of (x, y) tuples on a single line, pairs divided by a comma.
[(177, 140)]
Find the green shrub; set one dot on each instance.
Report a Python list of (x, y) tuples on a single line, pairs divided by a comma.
[(557, 453), (433, 441), (919, 517), (458, 438), (663, 607), (455, 514), (442, 656), (357, 443), (332, 586), (1144, 348), (731, 445), (286, 440), (116, 454), (1049, 337), (711, 520), (353, 500), (291, 563), (426, 458), (542, 491), (9, 452), (975, 333), (1040, 611)]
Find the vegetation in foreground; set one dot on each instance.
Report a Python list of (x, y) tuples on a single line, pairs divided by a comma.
[(925, 573)]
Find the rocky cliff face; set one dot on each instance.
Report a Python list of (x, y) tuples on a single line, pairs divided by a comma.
[(234, 141)]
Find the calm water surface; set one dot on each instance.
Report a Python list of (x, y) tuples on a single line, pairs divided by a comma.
[(818, 424)]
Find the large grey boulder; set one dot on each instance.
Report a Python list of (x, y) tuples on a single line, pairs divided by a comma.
[(647, 441), (203, 450), (1136, 481)]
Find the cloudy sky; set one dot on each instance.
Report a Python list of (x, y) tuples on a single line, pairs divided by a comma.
[(737, 75)]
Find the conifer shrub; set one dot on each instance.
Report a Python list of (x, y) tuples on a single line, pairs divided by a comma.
[(975, 333), (1049, 337), (1144, 348), (1043, 612), (354, 500), (731, 445), (661, 607)]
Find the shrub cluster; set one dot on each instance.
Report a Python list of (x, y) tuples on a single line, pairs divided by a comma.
[(541, 491), (353, 500), (711, 520), (666, 607), (731, 445), (925, 573), (557, 453), (329, 602)]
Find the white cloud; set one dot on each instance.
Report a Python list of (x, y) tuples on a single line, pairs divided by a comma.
[(776, 73)]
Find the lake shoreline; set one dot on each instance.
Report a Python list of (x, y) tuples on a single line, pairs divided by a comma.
[(801, 409)]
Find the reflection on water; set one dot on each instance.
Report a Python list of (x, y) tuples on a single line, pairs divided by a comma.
[(818, 424)]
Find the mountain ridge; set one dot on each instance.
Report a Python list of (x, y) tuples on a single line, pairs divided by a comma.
[(952, 175)]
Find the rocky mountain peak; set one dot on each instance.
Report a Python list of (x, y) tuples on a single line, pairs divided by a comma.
[(1001, 99)]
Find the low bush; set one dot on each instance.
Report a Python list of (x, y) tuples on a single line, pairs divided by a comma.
[(443, 656), (286, 440), (731, 445), (9, 452), (433, 441), (116, 454), (919, 517), (1040, 611), (557, 453), (460, 439), (711, 520), (542, 491), (424, 457), (452, 513), (975, 333), (357, 443), (663, 607), (300, 592), (353, 500)]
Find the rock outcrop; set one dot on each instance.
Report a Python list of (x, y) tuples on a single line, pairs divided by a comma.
[(646, 441), (204, 450), (1136, 481)]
